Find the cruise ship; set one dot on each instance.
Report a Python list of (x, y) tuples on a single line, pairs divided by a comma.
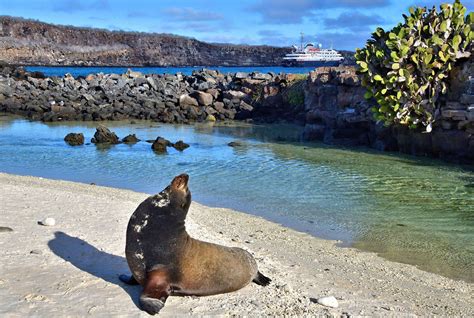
[(310, 55)]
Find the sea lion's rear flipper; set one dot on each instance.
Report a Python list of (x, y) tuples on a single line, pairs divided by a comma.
[(261, 279), (129, 280), (155, 292)]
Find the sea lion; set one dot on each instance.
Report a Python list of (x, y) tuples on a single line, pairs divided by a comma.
[(166, 261)]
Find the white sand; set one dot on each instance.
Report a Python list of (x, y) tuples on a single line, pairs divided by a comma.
[(46, 273)]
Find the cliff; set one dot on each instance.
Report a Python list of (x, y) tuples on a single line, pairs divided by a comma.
[(28, 42)]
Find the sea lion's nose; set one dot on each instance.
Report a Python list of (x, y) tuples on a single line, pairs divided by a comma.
[(180, 182)]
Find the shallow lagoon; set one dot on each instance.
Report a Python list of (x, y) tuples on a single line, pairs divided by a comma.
[(407, 209)]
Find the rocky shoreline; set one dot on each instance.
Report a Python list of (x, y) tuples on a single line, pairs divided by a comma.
[(205, 95), (329, 102)]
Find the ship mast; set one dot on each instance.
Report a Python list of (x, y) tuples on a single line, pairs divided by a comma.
[(302, 38)]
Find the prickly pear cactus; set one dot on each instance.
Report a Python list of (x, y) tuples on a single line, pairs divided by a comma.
[(406, 69)]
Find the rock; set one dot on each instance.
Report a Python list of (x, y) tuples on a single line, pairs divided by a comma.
[(240, 75), (211, 118), (245, 106), (186, 100), (261, 76), (133, 74), (37, 252), (235, 144), (48, 222), (130, 139), (104, 135), (160, 144), (234, 95), (152, 83), (202, 98), (180, 145), (74, 139), (328, 301)]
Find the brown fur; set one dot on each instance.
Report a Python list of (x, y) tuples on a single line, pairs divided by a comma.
[(165, 260)]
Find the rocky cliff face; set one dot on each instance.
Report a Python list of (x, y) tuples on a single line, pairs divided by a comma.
[(337, 113), (27, 42)]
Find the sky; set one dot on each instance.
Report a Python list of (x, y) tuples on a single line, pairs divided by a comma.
[(341, 24)]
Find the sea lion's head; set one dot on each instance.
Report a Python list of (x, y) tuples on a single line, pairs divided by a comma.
[(180, 194), (175, 198)]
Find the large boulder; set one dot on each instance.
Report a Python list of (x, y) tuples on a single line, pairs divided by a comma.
[(74, 139), (234, 95), (104, 135), (202, 98), (185, 100)]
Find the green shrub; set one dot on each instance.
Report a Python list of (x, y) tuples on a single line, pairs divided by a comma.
[(406, 69)]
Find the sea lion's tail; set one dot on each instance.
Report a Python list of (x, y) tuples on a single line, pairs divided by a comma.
[(261, 279)]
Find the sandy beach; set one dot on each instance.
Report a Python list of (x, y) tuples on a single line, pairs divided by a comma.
[(71, 268)]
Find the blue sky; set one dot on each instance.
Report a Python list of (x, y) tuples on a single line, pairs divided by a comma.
[(344, 24)]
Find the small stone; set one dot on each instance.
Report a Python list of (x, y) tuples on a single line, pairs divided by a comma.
[(5, 229), (48, 222), (328, 301), (37, 252)]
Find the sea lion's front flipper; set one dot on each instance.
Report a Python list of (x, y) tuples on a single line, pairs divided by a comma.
[(261, 279), (155, 292), (129, 280)]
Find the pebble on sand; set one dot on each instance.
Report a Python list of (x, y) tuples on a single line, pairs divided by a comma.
[(328, 301), (48, 222)]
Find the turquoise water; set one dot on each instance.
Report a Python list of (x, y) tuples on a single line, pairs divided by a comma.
[(84, 71), (406, 209)]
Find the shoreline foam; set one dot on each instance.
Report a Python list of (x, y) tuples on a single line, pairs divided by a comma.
[(72, 268)]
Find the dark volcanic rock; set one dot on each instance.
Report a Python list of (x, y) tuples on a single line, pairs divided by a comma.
[(74, 139), (180, 145), (130, 139), (235, 144), (104, 135), (160, 144)]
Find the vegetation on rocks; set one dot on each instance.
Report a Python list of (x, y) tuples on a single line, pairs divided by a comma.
[(406, 69)]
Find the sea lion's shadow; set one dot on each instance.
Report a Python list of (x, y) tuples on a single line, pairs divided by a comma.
[(89, 259)]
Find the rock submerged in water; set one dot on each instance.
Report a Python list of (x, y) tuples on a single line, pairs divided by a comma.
[(180, 145), (160, 144), (328, 301), (235, 144), (74, 139), (130, 139), (104, 135)]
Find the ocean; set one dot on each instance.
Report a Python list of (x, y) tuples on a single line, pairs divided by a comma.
[(84, 71), (407, 209)]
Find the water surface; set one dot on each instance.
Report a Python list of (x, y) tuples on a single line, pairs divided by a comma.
[(187, 70), (407, 209)]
